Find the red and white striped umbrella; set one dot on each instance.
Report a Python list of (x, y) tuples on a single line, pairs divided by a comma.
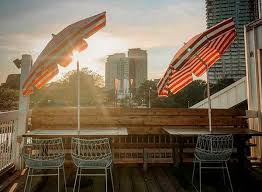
[(60, 49), (197, 56)]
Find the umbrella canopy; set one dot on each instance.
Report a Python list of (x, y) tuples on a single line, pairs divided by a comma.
[(60, 49), (197, 56)]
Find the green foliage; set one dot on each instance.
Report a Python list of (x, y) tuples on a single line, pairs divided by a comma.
[(12, 82), (142, 93), (64, 91), (109, 97), (220, 84), (188, 96), (8, 99)]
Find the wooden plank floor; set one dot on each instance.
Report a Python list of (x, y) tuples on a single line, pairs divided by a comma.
[(126, 179)]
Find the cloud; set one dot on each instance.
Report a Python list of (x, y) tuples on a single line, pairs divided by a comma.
[(166, 26), (160, 27)]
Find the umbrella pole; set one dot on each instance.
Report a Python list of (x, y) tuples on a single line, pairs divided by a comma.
[(78, 99), (209, 104), (208, 95)]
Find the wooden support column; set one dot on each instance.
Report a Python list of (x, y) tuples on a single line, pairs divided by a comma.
[(145, 160), (26, 64)]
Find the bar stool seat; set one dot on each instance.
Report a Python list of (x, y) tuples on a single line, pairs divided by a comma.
[(43, 154), (44, 164), (92, 154), (93, 164), (215, 150)]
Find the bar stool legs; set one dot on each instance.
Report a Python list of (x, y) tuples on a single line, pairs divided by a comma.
[(229, 177), (26, 179), (64, 178), (79, 174), (31, 174), (112, 182), (75, 179), (200, 175), (79, 182)]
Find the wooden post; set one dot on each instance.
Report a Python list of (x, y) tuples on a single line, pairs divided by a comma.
[(145, 160), (26, 64)]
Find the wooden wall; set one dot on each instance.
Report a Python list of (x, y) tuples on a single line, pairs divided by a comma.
[(146, 141), (138, 121)]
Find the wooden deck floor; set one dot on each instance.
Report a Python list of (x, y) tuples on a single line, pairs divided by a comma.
[(156, 179), (126, 179)]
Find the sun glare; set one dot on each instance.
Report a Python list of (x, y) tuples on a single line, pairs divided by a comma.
[(76, 56), (94, 57), (100, 45)]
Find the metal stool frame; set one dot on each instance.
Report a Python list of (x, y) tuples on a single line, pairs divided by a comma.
[(213, 149), (92, 154), (47, 154)]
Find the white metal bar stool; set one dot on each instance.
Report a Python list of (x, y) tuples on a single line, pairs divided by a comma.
[(47, 154), (215, 150), (92, 154)]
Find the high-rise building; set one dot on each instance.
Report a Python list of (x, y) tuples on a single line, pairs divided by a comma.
[(123, 68), (232, 63), (113, 69), (259, 8), (138, 65)]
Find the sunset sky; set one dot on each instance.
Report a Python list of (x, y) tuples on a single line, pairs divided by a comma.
[(160, 27)]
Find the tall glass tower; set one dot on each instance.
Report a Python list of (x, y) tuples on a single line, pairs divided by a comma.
[(232, 63)]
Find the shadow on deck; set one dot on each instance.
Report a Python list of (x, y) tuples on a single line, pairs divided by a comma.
[(126, 179), (156, 179)]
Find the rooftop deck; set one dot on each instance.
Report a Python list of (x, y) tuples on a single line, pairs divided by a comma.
[(155, 179), (126, 179), (145, 142)]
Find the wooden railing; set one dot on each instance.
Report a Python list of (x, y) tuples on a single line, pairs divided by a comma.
[(138, 121), (146, 141), (8, 127)]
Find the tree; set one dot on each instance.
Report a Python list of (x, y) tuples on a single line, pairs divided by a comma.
[(8, 99), (220, 84), (142, 93), (64, 91), (12, 82), (188, 96), (110, 96)]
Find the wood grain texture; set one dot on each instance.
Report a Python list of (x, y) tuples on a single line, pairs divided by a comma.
[(146, 136), (138, 121)]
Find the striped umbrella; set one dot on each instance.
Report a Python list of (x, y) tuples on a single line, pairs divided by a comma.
[(60, 49), (197, 55)]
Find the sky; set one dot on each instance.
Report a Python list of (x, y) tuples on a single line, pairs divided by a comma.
[(158, 26)]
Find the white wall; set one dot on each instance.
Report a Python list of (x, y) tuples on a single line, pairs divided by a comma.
[(227, 97), (253, 49)]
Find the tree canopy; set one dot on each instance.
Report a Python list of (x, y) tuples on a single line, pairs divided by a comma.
[(220, 84), (8, 99), (64, 91), (188, 96), (92, 93)]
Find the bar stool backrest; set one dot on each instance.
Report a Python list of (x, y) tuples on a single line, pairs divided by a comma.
[(43, 149), (91, 150), (214, 147)]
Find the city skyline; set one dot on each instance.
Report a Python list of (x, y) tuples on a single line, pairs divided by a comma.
[(123, 68), (128, 26), (232, 64)]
